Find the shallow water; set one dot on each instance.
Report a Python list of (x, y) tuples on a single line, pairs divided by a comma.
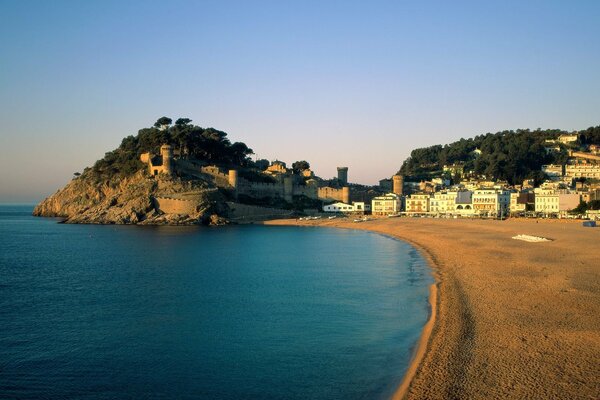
[(241, 312)]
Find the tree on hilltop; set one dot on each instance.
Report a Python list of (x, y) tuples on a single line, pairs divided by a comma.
[(163, 122), (182, 122), (300, 166)]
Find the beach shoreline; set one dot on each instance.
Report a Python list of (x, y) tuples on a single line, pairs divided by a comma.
[(509, 319)]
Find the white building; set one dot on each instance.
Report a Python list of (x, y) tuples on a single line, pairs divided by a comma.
[(555, 202), (583, 170), (464, 204), (568, 138), (357, 206), (339, 208), (491, 202), (443, 203), (386, 205), (361, 206)]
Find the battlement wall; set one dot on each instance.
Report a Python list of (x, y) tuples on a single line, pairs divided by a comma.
[(260, 189), (170, 205), (220, 178), (308, 191), (329, 193)]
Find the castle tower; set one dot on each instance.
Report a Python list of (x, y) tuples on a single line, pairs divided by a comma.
[(233, 181), (398, 183), (233, 178), (346, 194), (343, 175), (167, 158)]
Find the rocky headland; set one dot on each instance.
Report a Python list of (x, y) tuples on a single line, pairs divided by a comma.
[(134, 200)]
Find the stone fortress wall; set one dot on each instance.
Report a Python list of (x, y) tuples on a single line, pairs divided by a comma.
[(329, 193), (181, 203), (285, 186), (175, 206)]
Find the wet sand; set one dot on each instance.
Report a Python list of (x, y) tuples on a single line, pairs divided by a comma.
[(513, 319)]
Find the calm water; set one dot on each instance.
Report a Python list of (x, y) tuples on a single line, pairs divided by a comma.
[(243, 312)]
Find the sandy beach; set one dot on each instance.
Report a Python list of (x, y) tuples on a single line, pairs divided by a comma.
[(513, 319)]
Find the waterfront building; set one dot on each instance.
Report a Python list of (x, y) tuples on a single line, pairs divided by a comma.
[(418, 203), (443, 202), (386, 204), (555, 202), (491, 202), (463, 205), (338, 207), (519, 202), (567, 202)]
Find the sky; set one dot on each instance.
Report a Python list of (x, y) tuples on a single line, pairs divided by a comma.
[(336, 83)]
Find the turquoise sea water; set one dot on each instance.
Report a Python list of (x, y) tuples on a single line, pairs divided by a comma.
[(241, 312)]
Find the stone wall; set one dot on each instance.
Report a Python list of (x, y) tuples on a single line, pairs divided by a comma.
[(329, 193), (260, 189), (220, 178), (170, 205)]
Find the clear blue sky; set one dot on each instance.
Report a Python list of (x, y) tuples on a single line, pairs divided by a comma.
[(358, 84)]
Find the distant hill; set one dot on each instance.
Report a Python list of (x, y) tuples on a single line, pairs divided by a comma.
[(508, 155)]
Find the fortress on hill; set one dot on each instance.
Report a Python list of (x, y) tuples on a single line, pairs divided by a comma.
[(286, 184)]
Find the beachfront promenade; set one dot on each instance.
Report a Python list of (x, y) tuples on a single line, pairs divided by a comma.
[(514, 319)]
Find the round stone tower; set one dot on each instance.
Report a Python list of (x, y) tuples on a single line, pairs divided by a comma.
[(167, 158), (343, 175), (233, 179), (233, 182), (398, 183)]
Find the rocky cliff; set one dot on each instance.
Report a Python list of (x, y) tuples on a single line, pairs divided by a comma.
[(133, 200)]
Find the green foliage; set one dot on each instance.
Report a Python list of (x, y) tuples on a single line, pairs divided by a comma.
[(590, 136), (508, 155), (204, 144), (299, 166), (583, 207), (253, 175), (262, 164), (163, 121)]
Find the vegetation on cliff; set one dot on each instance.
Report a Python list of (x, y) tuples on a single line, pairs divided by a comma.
[(508, 155), (191, 141)]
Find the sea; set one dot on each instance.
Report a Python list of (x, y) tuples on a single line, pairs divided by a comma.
[(234, 312)]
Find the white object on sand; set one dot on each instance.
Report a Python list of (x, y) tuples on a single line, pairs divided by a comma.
[(529, 238)]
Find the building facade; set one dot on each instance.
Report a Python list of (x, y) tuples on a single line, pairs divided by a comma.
[(418, 203), (386, 205), (443, 203), (491, 202)]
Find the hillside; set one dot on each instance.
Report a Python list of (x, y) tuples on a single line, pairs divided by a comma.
[(508, 155), (119, 189)]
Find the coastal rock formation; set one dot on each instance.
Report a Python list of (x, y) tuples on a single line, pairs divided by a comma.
[(135, 199)]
